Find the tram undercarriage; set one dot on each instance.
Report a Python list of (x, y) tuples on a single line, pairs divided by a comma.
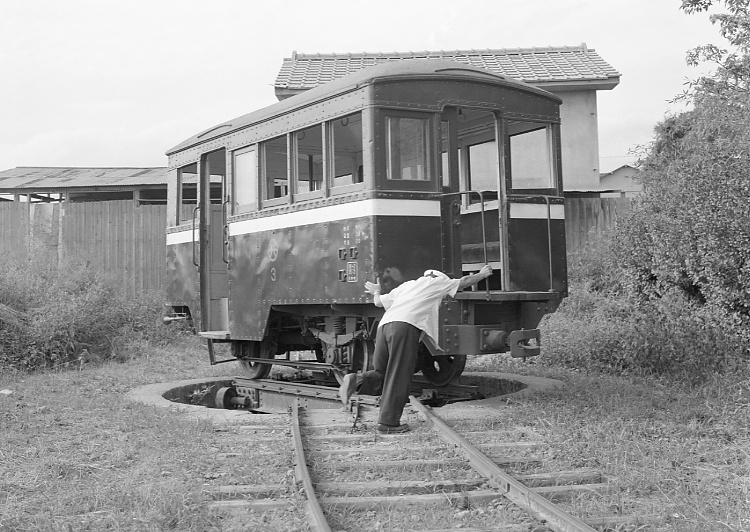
[(335, 344)]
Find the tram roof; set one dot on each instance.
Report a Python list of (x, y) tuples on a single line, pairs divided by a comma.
[(363, 76)]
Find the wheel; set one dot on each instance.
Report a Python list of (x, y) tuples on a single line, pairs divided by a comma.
[(441, 370), (247, 348), (363, 353), (223, 398)]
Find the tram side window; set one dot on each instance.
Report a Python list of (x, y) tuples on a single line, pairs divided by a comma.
[(408, 151), (444, 147), (187, 192), (530, 158), (275, 168), (346, 133), (309, 176), (245, 180)]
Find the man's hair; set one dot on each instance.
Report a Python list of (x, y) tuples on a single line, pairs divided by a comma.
[(391, 278)]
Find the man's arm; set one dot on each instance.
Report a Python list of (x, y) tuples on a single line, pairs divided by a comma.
[(474, 278)]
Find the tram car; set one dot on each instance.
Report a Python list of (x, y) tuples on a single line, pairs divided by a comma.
[(278, 217)]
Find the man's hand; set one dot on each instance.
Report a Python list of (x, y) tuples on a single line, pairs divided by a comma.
[(372, 288), (474, 278)]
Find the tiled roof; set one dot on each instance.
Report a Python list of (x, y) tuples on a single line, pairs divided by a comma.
[(537, 66), (52, 178)]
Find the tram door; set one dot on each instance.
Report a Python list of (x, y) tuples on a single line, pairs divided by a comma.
[(472, 224), (450, 204), (214, 278)]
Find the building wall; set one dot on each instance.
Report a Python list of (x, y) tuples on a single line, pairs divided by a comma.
[(621, 180), (580, 140)]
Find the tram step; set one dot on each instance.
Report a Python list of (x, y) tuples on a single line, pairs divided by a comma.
[(214, 335)]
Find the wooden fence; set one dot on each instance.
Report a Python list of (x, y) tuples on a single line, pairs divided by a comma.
[(125, 241), (129, 242), (585, 217)]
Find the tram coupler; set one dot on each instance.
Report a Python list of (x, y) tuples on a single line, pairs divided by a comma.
[(166, 320), (519, 343)]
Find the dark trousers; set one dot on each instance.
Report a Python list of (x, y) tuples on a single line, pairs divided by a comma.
[(394, 361)]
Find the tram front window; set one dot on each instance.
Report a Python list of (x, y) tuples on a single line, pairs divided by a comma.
[(408, 149), (483, 169), (530, 157)]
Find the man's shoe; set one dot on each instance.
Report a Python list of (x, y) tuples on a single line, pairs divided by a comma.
[(390, 429), (348, 387)]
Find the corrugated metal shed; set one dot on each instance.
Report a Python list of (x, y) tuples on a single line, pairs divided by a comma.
[(42, 179), (537, 66)]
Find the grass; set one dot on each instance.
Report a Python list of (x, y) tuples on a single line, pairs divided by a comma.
[(76, 455), (678, 453)]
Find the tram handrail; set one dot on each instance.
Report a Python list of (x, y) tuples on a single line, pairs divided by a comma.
[(195, 262), (484, 229)]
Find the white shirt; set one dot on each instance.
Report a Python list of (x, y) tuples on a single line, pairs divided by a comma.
[(417, 302)]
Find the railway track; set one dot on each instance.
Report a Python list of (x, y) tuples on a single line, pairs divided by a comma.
[(333, 471)]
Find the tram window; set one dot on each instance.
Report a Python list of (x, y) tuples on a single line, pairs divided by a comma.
[(482, 169), (408, 148), (444, 146), (187, 192), (530, 159), (275, 168), (309, 147), (444, 159), (245, 180), (347, 150), (217, 187)]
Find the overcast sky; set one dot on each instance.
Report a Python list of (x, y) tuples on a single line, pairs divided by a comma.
[(117, 83)]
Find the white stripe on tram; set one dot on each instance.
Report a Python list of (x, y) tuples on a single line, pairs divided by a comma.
[(534, 211), (335, 213), (180, 237), (330, 213)]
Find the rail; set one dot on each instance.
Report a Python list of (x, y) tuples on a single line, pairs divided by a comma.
[(328, 441), (317, 520), (511, 489)]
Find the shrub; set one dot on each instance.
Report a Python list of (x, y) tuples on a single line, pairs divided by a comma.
[(594, 266), (53, 317), (619, 334)]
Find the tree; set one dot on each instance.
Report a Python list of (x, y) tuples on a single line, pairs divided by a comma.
[(733, 67), (691, 230)]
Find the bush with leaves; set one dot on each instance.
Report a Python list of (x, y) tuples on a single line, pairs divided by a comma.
[(691, 228), (619, 334), (53, 317), (689, 232)]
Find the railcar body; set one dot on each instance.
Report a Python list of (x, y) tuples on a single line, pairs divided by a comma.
[(278, 217)]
